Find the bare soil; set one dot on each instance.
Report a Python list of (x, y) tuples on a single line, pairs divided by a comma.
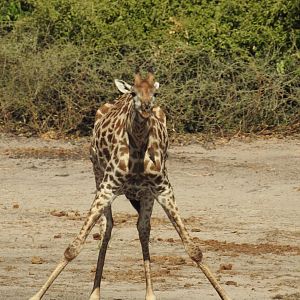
[(239, 199)]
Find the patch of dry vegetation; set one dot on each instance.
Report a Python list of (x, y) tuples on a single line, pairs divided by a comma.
[(219, 73)]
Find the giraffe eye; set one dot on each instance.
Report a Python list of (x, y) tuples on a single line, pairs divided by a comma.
[(133, 94), (156, 94)]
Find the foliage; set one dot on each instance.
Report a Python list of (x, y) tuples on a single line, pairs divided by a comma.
[(224, 65)]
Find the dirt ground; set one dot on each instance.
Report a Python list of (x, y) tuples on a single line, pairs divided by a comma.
[(239, 199)]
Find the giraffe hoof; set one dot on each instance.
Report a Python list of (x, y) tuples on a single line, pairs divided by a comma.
[(95, 294), (35, 297), (150, 297)]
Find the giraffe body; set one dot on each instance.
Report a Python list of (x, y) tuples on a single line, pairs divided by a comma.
[(127, 148), (129, 151)]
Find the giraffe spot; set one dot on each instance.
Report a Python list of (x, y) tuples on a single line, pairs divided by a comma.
[(118, 123), (106, 123), (124, 110), (118, 174), (106, 154), (122, 165), (115, 153), (109, 137), (105, 197), (123, 142), (156, 167), (120, 129), (123, 151), (172, 205), (155, 146), (104, 109), (151, 154)]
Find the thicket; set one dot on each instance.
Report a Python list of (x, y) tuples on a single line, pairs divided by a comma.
[(224, 66)]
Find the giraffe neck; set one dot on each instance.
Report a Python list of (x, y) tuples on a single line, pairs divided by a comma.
[(138, 128)]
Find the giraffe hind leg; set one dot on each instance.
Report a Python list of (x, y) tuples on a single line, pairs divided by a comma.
[(144, 208), (167, 201), (106, 225)]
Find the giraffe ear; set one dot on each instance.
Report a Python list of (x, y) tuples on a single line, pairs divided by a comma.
[(123, 86), (156, 85)]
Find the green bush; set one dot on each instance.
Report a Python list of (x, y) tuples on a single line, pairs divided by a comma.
[(224, 66)]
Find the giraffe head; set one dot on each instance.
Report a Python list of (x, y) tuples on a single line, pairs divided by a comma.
[(143, 93)]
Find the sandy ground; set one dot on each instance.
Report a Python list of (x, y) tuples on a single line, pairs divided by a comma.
[(240, 200)]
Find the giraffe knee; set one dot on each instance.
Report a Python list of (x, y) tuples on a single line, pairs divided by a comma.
[(195, 253), (72, 251)]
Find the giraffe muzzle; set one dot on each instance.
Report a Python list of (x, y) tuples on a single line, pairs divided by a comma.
[(146, 114), (146, 110)]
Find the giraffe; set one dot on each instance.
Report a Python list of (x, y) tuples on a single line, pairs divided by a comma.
[(129, 152)]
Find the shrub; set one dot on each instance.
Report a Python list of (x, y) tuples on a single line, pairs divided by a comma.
[(224, 66)]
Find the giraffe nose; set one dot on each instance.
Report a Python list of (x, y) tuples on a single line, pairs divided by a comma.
[(147, 106)]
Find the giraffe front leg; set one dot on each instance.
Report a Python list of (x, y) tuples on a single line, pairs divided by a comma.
[(106, 225), (103, 198), (144, 228)]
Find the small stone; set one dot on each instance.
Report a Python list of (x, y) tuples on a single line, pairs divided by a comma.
[(170, 240), (16, 206), (93, 270), (57, 236), (35, 260), (278, 296), (230, 282), (96, 236), (225, 267), (58, 213)]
